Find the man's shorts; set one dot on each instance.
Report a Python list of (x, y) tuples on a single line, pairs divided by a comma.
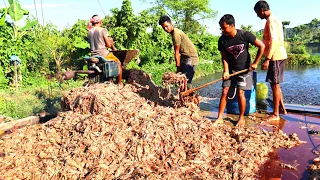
[(275, 72), (242, 81), (187, 68)]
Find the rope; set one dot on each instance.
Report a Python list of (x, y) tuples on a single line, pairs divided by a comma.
[(234, 94), (42, 13), (307, 129), (35, 8), (43, 25), (101, 8)]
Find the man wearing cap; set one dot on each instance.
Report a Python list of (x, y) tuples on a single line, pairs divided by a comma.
[(100, 42)]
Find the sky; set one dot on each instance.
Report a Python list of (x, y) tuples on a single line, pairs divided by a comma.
[(64, 13)]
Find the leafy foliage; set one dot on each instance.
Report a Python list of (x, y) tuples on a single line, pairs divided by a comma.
[(188, 13), (305, 33)]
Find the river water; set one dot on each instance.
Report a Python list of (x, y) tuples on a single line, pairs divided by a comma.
[(301, 86)]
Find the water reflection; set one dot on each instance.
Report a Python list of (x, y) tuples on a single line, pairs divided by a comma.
[(272, 170), (299, 157), (313, 49)]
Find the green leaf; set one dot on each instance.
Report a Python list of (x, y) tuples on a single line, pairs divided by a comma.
[(29, 25), (3, 17), (15, 10), (1, 41), (81, 45)]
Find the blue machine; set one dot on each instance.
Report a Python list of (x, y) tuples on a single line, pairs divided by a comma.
[(109, 68)]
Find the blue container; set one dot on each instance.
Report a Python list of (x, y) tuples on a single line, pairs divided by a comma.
[(232, 104)]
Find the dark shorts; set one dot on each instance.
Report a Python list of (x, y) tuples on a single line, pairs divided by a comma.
[(187, 68), (242, 81), (275, 72)]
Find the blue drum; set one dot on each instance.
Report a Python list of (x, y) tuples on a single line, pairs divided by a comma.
[(232, 104)]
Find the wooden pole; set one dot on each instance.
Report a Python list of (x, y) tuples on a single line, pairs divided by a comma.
[(185, 93), (15, 81)]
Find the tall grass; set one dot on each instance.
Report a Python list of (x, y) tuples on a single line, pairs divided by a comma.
[(32, 100)]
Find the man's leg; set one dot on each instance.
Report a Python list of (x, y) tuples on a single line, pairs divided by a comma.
[(188, 69), (276, 92), (222, 105), (275, 76), (244, 82), (242, 106), (119, 78), (282, 109)]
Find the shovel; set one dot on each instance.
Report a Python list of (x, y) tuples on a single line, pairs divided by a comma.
[(187, 92)]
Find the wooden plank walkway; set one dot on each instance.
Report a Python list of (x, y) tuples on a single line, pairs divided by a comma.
[(19, 123), (297, 107)]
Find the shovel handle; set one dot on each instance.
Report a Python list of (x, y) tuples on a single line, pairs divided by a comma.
[(187, 92)]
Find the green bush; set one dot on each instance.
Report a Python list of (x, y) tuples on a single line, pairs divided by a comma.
[(301, 59), (314, 59), (19, 104), (3, 80), (298, 49)]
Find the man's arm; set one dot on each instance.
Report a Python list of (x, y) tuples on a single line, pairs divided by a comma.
[(261, 48), (109, 42), (177, 56), (225, 64)]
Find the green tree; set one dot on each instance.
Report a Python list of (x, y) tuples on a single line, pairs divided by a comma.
[(187, 14), (15, 40), (307, 33), (77, 44)]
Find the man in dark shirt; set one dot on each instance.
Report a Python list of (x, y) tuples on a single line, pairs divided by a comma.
[(234, 48)]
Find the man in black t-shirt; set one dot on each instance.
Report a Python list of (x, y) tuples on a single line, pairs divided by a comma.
[(234, 48)]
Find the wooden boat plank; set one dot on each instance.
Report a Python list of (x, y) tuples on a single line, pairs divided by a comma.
[(297, 107)]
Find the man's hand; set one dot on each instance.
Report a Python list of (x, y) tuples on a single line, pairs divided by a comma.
[(225, 75), (265, 65), (253, 66), (109, 41)]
